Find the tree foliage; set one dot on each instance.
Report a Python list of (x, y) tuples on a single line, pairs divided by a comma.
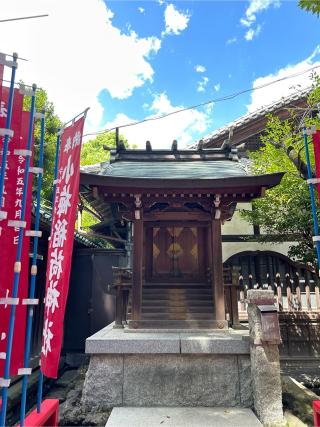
[(312, 6), (52, 124), (284, 214), (93, 151)]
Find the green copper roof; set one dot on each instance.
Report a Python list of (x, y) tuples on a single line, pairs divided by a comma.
[(213, 168), (169, 170)]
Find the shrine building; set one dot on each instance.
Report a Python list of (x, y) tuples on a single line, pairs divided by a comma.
[(177, 340), (168, 206)]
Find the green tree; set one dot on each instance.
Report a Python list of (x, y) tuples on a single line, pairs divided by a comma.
[(312, 6), (52, 124), (93, 151), (284, 214)]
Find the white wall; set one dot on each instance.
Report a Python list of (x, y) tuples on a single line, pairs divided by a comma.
[(232, 248), (237, 227)]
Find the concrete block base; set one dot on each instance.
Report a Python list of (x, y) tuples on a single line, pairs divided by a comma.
[(168, 369)]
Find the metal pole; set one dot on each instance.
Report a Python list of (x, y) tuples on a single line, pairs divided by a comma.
[(8, 123), (312, 198), (33, 275), (55, 181), (17, 265), (56, 165), (84, 112)]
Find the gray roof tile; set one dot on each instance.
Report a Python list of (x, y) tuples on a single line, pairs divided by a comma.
[(170, 170)]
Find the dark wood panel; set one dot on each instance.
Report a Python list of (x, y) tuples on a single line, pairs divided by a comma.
[(178, 253), (137, 270), (177, 216), (217, 270)]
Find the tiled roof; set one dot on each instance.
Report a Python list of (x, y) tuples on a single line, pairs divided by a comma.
[(261, 112), (168, 164), (172, 170)]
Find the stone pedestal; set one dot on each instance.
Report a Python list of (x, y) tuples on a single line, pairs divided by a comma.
[(207, 369), (265, 364)]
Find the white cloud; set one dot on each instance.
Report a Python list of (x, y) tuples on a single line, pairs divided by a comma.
[(232, 40), (255, 7), (209, 107), (275, 92), (202, 84), (141, 9), (185, 126), (217, 87), (74, 53), (251, 33), (175, 21), (200, 68)]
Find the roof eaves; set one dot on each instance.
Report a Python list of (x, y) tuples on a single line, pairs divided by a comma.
[(247, 118)]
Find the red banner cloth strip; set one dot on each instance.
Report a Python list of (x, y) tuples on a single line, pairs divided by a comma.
[(316, 148), (60, 247), (14, 183)]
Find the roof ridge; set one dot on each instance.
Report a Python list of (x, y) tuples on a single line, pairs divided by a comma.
[(283, 101)]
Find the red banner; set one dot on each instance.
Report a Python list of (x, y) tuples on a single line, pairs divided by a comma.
[(316, 148), (12, 204), (60, 247)]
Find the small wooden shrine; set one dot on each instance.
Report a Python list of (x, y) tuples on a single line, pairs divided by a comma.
[(172, 204)]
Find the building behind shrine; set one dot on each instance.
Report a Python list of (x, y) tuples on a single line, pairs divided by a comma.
[(240, 240)]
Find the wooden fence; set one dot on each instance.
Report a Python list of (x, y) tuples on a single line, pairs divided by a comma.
[(298, 300), (292, 293)]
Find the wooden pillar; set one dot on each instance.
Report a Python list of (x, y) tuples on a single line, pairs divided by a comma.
[(119, 307), (137, 268), (234, 296), (217, 270)]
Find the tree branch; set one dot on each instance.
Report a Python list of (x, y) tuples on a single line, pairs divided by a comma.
[(294, 157), (297, 161)]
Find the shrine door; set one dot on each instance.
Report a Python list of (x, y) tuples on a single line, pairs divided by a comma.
[(176, 253)]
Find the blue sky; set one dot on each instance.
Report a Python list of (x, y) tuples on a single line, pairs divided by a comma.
[(139, 59), (216, 39)]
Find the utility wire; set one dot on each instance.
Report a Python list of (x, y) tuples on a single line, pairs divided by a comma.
[(23, 17), (202, 104)]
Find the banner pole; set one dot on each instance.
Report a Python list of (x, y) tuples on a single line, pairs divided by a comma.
[(33, 273), (8, 123), (56, 165), (312, 199), (17, 265), (55, 181), (84, 112)]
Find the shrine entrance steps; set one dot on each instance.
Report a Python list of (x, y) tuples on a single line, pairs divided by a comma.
[(182, 417), (176, 305)]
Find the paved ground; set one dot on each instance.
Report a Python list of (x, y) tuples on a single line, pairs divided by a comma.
[(182, 417)]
